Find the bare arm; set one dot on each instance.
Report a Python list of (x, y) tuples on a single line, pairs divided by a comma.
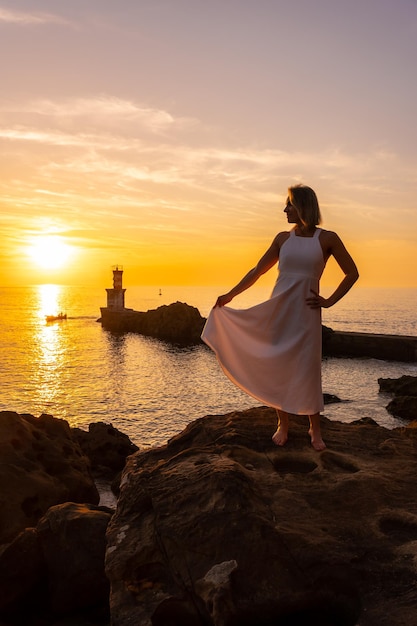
[(264, 264), (333, 245)]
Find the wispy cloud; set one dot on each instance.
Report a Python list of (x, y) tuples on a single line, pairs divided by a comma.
[(102, 112), (23, 18)]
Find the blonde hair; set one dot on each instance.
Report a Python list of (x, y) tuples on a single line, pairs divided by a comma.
[(305, 201)]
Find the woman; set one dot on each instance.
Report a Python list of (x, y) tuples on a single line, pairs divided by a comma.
[(273, 350)]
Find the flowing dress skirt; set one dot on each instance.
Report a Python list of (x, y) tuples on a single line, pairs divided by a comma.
[(273, 350)]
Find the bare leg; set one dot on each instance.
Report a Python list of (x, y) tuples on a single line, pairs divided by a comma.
[(315, 432), (281, 435)]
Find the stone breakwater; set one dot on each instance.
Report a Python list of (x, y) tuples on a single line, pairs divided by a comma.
[(369, 345), (183, 324), (218, 527)]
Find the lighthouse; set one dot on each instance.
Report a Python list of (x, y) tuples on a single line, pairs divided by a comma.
[(116, 296)]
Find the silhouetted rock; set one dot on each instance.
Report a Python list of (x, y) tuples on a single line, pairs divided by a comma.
[(105, 446), (329, 398), (57, 568), (40, 466), (23, 578), (404, 403), (404, 407), (222, 527), (177, 322), (73, 543), (52, 557), (402, 386)]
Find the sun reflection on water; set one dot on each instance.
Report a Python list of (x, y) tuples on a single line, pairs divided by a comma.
[(51, 343), (49, 298), (49, 363)]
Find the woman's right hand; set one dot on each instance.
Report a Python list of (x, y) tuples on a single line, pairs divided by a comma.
[(222, 300)]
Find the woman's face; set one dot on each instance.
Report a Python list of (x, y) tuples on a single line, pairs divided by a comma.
[(291, 211)]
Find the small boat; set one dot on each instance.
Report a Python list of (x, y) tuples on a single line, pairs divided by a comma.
[(56, 318)]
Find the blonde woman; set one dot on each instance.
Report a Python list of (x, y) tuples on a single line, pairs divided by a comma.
[(273, 350)]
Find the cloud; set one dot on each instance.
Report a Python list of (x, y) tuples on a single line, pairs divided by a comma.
[(102, 112), (24, 19), (113, 154)]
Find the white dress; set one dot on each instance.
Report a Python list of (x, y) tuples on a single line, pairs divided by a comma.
[(273, 350)]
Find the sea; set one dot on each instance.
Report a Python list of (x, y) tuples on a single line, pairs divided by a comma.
[(149, 389)]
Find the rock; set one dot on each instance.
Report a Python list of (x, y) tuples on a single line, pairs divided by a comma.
[(222, 527), (215, 589), (41, 465), (73, 543), (177, 322), (403, 386), (107, 449), (404, 407), (404, 404), (57, 569), (23, 580), (329, 398), (105, 446)]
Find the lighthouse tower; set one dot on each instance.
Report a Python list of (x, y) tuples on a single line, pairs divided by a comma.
[(116, 296)]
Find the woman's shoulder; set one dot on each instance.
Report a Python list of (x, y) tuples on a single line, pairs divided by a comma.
[(329, 240), (282, 236), (328, 235)]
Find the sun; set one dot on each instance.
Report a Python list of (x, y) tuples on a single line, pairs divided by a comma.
[(50, 252)]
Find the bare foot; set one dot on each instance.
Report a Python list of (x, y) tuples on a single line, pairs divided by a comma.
[(280, 437), (316, 441)]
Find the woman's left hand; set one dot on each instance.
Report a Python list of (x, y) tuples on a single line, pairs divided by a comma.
[(316, 301), (222, 300)]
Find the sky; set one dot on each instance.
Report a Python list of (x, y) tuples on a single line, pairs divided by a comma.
[(162, 136)]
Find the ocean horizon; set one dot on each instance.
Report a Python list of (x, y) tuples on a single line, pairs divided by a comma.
[(75, 370)]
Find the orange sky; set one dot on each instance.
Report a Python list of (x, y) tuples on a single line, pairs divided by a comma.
[(163, 136)]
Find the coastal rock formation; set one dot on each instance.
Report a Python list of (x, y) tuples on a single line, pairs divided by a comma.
[(221, 527), (404, 389), (41, 465), (53, 544), (72, 537), (402, 386), (105, 446), (57, 568), (404, 407), (177, 322)]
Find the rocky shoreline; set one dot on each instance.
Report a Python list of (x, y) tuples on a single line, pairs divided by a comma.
[(217, 527)]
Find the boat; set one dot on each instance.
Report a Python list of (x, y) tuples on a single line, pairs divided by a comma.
[(56, 318)]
